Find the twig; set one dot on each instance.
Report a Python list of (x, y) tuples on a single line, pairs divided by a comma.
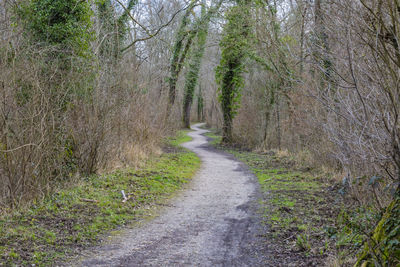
[(149, 34), (14, 149), (89, 200)]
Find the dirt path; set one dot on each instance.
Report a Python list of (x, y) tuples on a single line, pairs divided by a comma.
[(213, 223)]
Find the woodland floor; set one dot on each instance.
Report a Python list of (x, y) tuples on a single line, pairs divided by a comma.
[(240, 209), (89, 210), (298, 206), (214, 222), (266, 212)]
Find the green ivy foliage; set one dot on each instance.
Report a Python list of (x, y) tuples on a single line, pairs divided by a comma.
[(201, 27), (179, 51), (64, 23), (235, 46), (113, 29), (383, 248), (123, 20)]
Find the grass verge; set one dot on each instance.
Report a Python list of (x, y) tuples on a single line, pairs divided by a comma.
[(298, 206), (76, 217)]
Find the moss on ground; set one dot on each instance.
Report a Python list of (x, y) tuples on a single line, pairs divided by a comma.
[(76, 217)]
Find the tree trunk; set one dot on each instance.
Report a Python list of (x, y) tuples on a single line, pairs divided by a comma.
[(179, 55), (303, 16), (186, 114), (200, 105), (278, 123), (235, 46), (270, 101), (192, 74), (227, 136), (383, 248)]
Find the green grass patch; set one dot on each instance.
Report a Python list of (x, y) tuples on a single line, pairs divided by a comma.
[(78, 216), (213, 134), (288, 193), (180, 138)]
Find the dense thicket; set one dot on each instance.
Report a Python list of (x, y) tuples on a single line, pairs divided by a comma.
[(74, 101)]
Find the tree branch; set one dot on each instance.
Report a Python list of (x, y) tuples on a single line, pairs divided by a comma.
[(148, 32)]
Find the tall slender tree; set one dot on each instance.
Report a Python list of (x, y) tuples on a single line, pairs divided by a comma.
[(321, 49), (200, 104), (229, 73), (179, 52), (113, 28), (192, 74)]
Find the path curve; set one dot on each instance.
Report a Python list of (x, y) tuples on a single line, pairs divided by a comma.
[(212, 223)]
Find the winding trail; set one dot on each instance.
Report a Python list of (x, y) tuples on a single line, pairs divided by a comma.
[(212, 223)]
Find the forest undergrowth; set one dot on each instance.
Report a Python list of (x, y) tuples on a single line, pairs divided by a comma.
[(78, 216), (310, 218)]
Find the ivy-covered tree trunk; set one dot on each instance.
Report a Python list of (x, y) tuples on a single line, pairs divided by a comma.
[(321, 46), (192, 75), (200, 105), (383, 248), (235, 44), (112, 29), (195, 61), (269, 104), (179, 53), (106, 24)]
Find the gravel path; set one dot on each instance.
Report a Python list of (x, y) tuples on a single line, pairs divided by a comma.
[(212, 223)]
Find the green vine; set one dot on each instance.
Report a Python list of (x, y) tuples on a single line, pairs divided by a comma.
[(201, 27), (63, 23), (383, 248), (235, 46)]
